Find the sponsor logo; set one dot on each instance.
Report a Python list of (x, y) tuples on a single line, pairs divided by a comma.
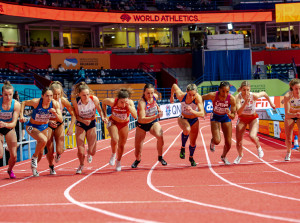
[(69, 61), (168, 110), (125, 17)]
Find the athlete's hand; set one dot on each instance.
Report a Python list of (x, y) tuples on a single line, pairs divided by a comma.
[(273, 106), (3, 124), (247, 99), (292, 110), (70, 132), (189, 109), (172, 99), (104, 119), (160, 114), (52, 111), (53, 124), (227, 111), (22, 119)]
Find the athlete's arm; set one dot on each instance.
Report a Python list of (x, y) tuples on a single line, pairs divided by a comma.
[(200, 112), (132, 109), (70, 109), (105, 102), (231, 113), (98, 107), (240, 108), (264, 94), (177, 91), (56, 111), (209, 96), (33, 102)]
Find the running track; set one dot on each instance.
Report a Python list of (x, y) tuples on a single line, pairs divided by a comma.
[(266, 190)]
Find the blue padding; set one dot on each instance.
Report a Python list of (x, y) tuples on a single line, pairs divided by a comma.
[(275, 115)]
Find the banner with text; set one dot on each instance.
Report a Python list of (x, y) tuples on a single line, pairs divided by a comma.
[(170, 110), (77, 60)]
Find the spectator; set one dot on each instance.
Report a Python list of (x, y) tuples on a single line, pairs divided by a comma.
[(45, 43), (205, 38), (16, 96), (269, 71), (47, 76), (60, 68), (81, 74), (88, 80), (55, 42), (50, 68), (257, 72), (99, 79), (102, 72), (38, 43)]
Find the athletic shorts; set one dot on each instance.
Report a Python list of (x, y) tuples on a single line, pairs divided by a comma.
[(295, 119), (247, 120), (191, 121), (146, 127), (4, 131), (38, 127), (220, 118), (86, 127), (119, 125), (57, 124)]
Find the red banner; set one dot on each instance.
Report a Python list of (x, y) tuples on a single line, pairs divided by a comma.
[(146, 18)]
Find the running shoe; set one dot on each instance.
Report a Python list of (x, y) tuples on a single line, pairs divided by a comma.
[(89, 158), (225, 160), (118, 166), (112, 159), (52, 170), (193, 163), (212, 147), (163, 162), (80, 169), (182, 153), (287, 157), (34, 172), (11, 174), (237, 160), (260, 152), (57, 157), (135, 164), (34, 162)]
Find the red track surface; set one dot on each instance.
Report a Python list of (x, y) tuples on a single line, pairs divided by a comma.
[(257, 190)]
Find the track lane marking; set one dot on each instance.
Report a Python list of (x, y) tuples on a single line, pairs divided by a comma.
[(210, 205), (102, 211)]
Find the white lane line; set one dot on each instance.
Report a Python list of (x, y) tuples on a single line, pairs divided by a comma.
[(237, 185), (87, 202), (267, 163), (102, 211), (210, 205)]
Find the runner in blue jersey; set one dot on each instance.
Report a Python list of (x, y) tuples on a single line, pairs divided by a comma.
[(9, 113), (191, 109), (37, 126)]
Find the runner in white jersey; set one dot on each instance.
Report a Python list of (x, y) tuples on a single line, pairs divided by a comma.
[(292, 114), (85, 106), (223, 112), (9, 113), (56, 129), (191, 109), (245, 105)]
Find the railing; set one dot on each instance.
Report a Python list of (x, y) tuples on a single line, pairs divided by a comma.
[(170, 70)]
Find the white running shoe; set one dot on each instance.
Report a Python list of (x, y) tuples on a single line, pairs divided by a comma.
[(34, 172), (80, 169), (89, 158), (118, 166), (34, 162), (212, 147), (288, 157), (237, 160), (52, 170), (57, 157), (224, 159), (112, 159), (260, 152)]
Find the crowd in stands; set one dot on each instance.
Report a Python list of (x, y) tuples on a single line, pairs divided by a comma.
[(127, 5)]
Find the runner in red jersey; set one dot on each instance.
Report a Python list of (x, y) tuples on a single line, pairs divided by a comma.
[(117, 126)]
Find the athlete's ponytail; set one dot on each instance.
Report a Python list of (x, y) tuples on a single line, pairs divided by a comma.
[(77, 88), (57, 85)]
